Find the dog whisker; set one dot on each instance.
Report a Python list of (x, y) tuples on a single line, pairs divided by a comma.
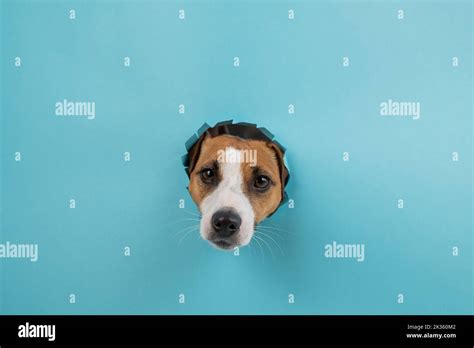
[(186, 229), (272, 228), (186, 234), (260, 246), (268, 224), (192, 213), (268, 245), (274, 241), (264, 243), (172, 223), (270, 232), (250, 248)]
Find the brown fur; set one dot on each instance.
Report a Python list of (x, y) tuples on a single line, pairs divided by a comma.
[(269, 162)]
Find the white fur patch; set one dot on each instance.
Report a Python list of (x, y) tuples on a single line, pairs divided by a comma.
[(229, 193)]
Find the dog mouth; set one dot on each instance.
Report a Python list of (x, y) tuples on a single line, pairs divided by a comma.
[(222, 244)]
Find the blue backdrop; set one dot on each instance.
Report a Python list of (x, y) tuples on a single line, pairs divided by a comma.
[(111, 233)]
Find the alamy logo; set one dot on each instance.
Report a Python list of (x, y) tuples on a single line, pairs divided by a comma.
[(237, 156), (402, 108), (335, 250), (26, 251), (70, 108), (37, 331)]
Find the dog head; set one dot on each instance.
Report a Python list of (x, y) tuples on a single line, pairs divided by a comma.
[(236, 183)]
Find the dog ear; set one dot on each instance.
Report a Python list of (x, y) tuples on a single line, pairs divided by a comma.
[(194, 152), (284, 176)]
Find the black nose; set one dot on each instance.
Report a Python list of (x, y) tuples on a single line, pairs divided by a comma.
[(226, 222)]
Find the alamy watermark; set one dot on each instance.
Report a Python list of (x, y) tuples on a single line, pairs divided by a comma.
[(70, 108), (19, 251), (28, 330), (237, 156), (336, 250), (400, 108)]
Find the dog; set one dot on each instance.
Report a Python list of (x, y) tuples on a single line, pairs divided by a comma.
[(237, 178)]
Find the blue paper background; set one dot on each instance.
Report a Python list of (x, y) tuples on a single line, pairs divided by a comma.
[(81, 251)]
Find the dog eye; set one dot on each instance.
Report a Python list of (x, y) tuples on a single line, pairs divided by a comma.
[(262, 182), (207, 175)]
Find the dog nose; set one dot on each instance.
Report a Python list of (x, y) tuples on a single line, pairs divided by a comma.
[(226, 222)]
